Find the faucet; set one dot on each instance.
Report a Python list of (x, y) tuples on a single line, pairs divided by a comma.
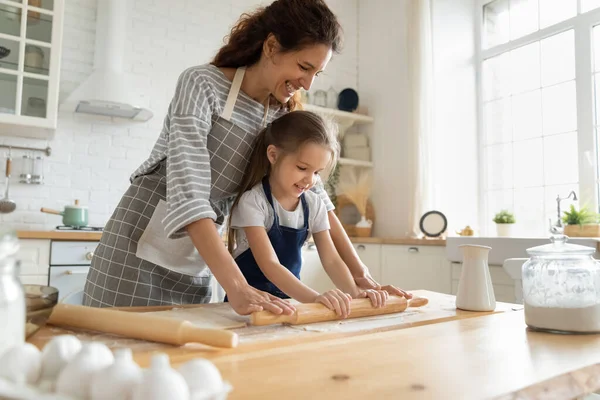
[(558, 200)]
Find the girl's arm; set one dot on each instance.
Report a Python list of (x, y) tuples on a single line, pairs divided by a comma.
[(359, 271), (269, 264), (243, 298), (333, 263), (339, 272)]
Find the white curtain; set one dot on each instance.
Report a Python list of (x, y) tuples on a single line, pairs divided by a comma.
[(420, 71)]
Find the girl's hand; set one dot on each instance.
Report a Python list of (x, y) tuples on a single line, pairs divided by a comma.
[(337, 301), (378, 297), (366, 282), (247, 300)]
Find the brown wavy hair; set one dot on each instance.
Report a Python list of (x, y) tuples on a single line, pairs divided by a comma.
[(288, 133), (294, 23)]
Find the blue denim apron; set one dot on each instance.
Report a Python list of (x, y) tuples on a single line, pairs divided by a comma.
[(287, 243)]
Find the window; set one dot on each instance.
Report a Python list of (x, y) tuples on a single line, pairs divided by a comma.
[(539, 135)]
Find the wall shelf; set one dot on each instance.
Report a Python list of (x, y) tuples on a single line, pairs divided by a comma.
[(344, 119), (355, 163)]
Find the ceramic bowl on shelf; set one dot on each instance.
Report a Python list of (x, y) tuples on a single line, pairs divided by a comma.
[(348, 100), (39, 301)]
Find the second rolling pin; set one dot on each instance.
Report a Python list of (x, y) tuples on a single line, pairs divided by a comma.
[(316, 312), (139, 326)]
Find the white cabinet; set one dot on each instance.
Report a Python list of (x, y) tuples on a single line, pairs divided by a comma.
[(314, 276), (30, 51), (34, 257), (503, 284), (416, 267)]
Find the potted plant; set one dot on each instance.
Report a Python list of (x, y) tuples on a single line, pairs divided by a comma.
[(504, 221), (582, 223)]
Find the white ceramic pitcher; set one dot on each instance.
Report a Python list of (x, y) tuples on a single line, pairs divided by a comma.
[(475, 290)]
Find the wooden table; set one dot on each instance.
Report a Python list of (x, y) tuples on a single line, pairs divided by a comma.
[(493, 356), (432, 352)]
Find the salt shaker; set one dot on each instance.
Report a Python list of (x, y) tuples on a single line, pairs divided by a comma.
[(12, 297), (475, 290)]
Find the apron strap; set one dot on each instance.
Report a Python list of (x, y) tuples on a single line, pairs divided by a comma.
[(304, 209), (264, 120), (233, 93), (236, 84)]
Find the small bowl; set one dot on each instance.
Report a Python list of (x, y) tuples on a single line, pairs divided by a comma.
[(39, 300), (348, 100)]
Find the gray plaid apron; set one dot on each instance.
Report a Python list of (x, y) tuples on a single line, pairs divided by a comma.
[(117, 277)]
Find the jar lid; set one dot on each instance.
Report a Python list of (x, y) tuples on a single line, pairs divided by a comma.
[(9, 244), (559, 246)]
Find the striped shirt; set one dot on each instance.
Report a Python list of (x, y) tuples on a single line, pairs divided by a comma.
[(199, 176)]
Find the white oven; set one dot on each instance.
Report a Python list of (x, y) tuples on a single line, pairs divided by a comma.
[(69, 265)]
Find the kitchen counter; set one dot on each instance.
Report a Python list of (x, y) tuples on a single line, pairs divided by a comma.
[(401, 240), (423, 354), (95, 236), (60, 235)]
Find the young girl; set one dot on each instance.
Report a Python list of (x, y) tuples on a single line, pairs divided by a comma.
[(275, 213)]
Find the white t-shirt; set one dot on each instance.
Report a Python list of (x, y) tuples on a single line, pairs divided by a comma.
[(254, 209)]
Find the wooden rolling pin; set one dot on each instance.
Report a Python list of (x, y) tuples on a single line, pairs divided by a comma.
[(139, 326), (316, 312)]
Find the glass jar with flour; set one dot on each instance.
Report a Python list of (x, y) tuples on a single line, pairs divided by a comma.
[(12, 298), (561, 288)]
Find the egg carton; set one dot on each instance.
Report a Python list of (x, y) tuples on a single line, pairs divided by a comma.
[(67, 370)]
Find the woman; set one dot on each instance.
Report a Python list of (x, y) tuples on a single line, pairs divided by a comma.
[(164, 233)]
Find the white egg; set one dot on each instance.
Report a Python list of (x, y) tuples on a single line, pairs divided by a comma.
[(161, 382), (74, 380), (21, 364), (202, 377), (57, 353), (117, 381)]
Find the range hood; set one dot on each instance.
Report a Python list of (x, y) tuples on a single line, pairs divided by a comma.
[(108, 90)]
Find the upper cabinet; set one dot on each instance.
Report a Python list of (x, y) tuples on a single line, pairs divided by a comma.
[(30, 47)]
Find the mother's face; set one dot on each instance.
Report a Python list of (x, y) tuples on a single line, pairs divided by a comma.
[(290, 71)]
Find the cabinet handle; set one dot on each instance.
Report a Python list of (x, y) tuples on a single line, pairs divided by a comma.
[(311, 246), (71, 272), (89, 256), (360, 247), (413, 249)]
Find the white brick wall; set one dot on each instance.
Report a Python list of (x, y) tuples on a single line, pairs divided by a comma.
[(93, 157)]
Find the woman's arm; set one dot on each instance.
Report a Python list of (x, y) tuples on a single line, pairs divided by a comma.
[(269, 264), (243, 298)]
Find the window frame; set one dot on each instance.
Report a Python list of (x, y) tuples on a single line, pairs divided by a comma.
[(582, 25)]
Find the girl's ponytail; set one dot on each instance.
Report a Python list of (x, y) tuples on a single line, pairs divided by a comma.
[(258, 167)]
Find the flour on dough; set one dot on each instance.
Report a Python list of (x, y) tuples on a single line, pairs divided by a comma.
[(209, 318)]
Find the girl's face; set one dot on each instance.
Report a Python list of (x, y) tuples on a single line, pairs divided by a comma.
[(294, 173), (290, 71)]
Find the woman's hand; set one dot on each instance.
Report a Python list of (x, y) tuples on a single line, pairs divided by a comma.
[(366, 282), (247, 300), (337, 301), (378, 297)]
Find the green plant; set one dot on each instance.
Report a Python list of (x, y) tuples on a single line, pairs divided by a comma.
[(331, 184), (504, 217), (581, 217)]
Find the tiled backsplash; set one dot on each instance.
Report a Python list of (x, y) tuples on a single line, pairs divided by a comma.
[(93, 157)]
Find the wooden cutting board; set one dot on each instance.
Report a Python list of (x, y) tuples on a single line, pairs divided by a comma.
[(441, 308)]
